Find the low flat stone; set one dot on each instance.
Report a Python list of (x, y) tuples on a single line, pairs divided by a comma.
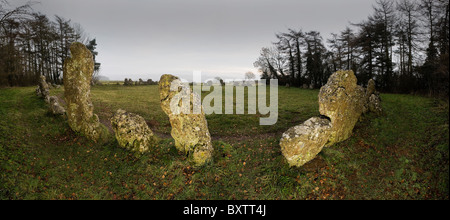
[(55, 106), (302, 143), (132, 132)]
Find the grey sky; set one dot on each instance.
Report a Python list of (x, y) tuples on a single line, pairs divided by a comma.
[(148, 38)]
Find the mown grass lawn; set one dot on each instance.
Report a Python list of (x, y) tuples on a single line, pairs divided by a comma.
[(402, 154)]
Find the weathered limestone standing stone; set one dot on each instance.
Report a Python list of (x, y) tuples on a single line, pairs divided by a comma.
[(370, 87), (341, 100), (43, 90), (78, 70), (373, 98), (132, 132), (190, 131), (55, 107), (375, 104), (38, 91), (302, 143)]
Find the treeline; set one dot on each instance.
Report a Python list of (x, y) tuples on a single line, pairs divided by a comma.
[(31, 44), (403, 45)]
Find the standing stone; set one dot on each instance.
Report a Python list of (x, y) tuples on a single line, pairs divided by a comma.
[(55, 107), (43, 89), (190, 131), (370, 88), (374, 104), (341, 100), (373, 98), (302, 143), (38, 91), (78, 70), (132, 132)]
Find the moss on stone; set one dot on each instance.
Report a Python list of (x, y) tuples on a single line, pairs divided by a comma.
[(190, 131), (78, 70)]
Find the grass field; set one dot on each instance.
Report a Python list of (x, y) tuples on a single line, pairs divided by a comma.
[(403, 154)]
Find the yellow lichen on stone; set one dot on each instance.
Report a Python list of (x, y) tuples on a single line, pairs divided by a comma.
[(132, 132), (190, 131), (341, 100), (78, 70)]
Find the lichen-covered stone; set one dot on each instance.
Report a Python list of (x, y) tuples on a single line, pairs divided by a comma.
[(78, 70), (302, 143), (341, 100), (55, 107), (374, 104), (132, 132), (373, 98), (370, 87), (190, 131), (43, 89), (38, 91)]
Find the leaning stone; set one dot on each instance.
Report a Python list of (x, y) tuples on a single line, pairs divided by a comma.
[(342, 101), (44, 89), (302, 143), (55, 107), (132, 132), (78, 70), (190, 131)]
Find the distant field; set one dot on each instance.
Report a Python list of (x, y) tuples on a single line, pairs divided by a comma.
[(402, 154)]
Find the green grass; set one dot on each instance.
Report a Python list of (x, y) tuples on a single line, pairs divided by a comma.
[(402, 154)]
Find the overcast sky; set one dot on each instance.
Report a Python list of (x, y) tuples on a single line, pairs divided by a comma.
[(148, 38)]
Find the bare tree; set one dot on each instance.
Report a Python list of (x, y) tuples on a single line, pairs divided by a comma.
[(249, 75), (271, 63), (408, 10)]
